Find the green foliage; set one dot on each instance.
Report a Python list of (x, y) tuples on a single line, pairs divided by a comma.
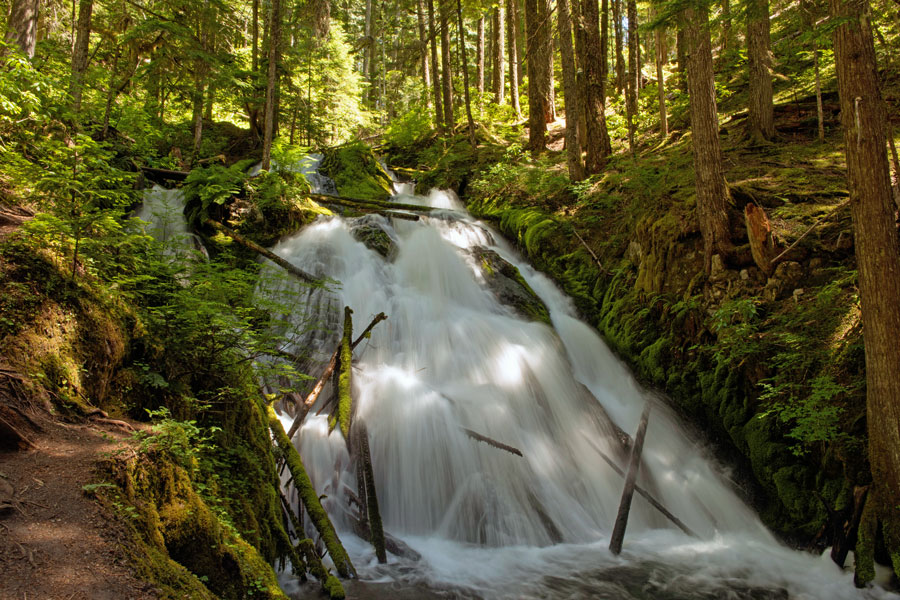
[(408, 128), (207, 189)]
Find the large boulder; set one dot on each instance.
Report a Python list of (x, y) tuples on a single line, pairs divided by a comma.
[(508, 285)]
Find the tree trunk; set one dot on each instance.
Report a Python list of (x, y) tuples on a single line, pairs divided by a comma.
[(465, 69), (497, 55), (21, 27), (877, 256), (479, 60), (580, 79), (543, 56), (271, 82), (435, 74), (512, 19), (681, 59), (547, 19), (80, 51), (713, 197), (368, 60), (809, 21), (423, 51), (252, 106), (726, 27), (537, 125), (597, 146), (570, 91), (521, 42), (446, 76), (761, 123), (620, 54), (634, 74), (661, 80)]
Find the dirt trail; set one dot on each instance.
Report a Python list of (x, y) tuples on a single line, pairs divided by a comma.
[(56, 543)]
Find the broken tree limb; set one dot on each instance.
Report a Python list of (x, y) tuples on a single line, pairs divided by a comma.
[(296, 272), (373, 515), (591, 252), (320, 384), (160, 175), (491, 442), (634, 465), (309, 497), (646, 495), (344, 383)]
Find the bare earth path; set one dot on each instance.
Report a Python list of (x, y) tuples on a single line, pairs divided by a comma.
[(56, 543)]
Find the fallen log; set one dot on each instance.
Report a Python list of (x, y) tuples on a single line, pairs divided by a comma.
[(491, 442), (158, 175), (644, 493), (394, 545), (370, 498), (295, 271), (634, 465), (309, 497), (551, 528), (329, 369), (330, 584), (376, 204), (345, 371), (370, 207)]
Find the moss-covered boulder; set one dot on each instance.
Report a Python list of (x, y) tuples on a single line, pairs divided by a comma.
[(357, 172), (507, 284), (371, 231)]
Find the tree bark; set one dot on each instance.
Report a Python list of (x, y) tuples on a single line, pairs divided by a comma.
[(537, 124), (368, 60), (877, 255), (570, 91), (681, 57), (620, 54), (543, 56), (713, 197), (479, 60), (435, 74), (597, 143), (761, 123), (634, 73), (634, 466), (80, 51), (21, 27), (809, 21), (446, 76), (512, 19), (271, 82), (465, 69), (423, 51), (497, 37), (661, 80)]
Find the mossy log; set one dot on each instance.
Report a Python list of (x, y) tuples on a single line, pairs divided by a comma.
[(164, 175), (344, 382), (369, 205), (293, 270), (367, 487), (330, 584), (329, 369), (634, 465), (310, 498)]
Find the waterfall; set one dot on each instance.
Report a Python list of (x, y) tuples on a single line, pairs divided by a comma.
[(451, 357), (163, 212)]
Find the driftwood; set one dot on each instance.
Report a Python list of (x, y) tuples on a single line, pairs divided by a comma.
[(647, 496), (491, 442), (329, 369), (759, 233), (634, 465), (310, 498), (296, 272), (366, 484)]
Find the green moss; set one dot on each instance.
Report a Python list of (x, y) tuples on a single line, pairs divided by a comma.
[(356, 172), (310, 498), (345, 398), (865, 545)]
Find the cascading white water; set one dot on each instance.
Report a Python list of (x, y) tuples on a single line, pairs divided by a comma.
[(489, 523), (163, 212)]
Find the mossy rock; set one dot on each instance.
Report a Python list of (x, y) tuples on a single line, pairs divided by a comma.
[(357, 173), (507, 284), (370, 231)]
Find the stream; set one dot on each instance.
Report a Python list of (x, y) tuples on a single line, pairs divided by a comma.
[(488, 523)]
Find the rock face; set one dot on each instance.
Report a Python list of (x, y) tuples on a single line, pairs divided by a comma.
[(370, 230), (508, 285)]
